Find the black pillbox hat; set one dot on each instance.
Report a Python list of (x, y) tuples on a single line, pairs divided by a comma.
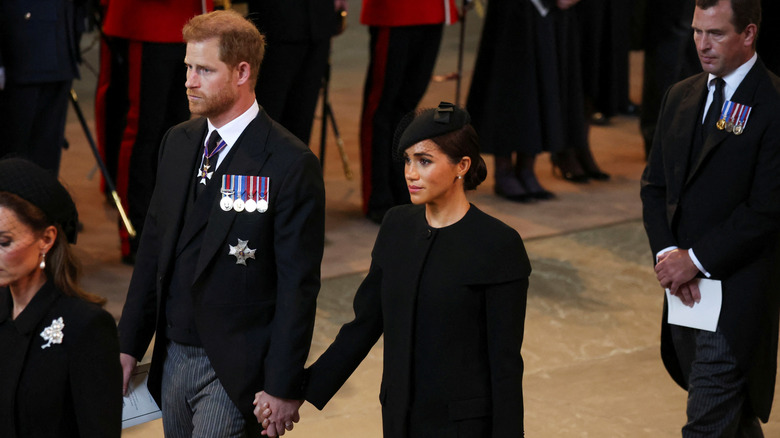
[(37, 186)]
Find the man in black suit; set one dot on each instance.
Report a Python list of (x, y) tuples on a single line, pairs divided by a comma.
[(228, 267), (296, 60), (39, 56), (711, 201)]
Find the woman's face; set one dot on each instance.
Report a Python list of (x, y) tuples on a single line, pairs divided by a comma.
[(430, 175), (20, 248)]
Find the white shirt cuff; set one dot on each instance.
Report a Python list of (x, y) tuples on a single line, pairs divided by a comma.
[(665, 250), (697, 263)]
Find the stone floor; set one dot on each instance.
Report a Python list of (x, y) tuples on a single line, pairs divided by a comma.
[(592, 329)]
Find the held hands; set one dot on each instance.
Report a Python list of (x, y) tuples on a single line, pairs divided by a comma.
[(276, 414), (676, 272)]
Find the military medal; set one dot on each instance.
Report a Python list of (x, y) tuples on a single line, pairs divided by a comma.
[(226, 203), (729, 110), (242, 252), (238, 202), (721, 124), (262, 203), (739, 128), (203, 172), (251, 205)]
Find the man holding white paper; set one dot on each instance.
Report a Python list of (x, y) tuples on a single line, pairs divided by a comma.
[(711, 200)]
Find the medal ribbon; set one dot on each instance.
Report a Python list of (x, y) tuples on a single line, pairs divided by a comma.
[(264, 188), (227, 186), (725, 111)]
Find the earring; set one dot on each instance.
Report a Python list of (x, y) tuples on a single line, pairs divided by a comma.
[(43, 261), (460, 176)]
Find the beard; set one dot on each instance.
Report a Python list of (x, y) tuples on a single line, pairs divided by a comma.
[(210, 106)]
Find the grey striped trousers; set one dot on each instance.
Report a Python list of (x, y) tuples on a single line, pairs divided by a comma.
[(194, 403)]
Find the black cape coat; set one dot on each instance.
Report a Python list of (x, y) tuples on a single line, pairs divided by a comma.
[(451, 305)]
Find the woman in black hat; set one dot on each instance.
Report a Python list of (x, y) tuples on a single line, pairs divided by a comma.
[(447, 288), (59, 366)]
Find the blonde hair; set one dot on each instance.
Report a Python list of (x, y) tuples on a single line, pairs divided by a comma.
[(239, 39)]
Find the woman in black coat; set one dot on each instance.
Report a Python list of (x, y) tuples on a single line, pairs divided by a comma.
[(59, 366), (526, 95), (447, 288)]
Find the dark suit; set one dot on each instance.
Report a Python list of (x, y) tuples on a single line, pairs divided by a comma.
[(70, 389), (725, 204), (451, 304), (39, 49), (255, 322)]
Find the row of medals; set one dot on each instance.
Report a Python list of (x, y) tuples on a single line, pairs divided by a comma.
[(729, 125), (227, 203)]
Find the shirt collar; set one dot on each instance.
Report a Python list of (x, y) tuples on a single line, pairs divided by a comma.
[(233, 129), (733, 79)]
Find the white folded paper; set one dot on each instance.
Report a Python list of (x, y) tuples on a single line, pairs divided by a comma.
[(704, 314), (139, 406)]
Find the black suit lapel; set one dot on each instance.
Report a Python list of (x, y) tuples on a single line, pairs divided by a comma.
[(250, 153), (178, 181), (682, 131)]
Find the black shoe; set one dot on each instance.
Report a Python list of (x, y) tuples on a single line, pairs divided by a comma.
[(599, 119), (520, 197), (568, 175), (597, 175), (542, 195), (509, 187)]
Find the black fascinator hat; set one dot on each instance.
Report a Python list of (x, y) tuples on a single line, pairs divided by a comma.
[(37, 186), (426, 124)]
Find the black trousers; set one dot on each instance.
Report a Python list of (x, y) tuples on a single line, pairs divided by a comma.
[(400, 68), (289, 83), (32, 122), (718, 402)]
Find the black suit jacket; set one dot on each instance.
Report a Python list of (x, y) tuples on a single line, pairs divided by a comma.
[(255, 321), (451, 304), (39, 39), (725, 204), (71, 389)]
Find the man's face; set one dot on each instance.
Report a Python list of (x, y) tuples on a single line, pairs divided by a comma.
[(212, 87), (721, 49)]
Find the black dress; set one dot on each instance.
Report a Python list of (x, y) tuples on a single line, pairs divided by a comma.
[(68, 389), (451, 305), (526, 93)]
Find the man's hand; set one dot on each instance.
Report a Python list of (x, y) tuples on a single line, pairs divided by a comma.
[(674, 269), (566, 4), (128, 365), (689, 293), (276, 414)]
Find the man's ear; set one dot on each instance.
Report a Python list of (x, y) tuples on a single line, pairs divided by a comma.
[(244, 72)]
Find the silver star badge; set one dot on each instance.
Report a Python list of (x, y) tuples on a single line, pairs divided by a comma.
[(242, 252), (53, 333)]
